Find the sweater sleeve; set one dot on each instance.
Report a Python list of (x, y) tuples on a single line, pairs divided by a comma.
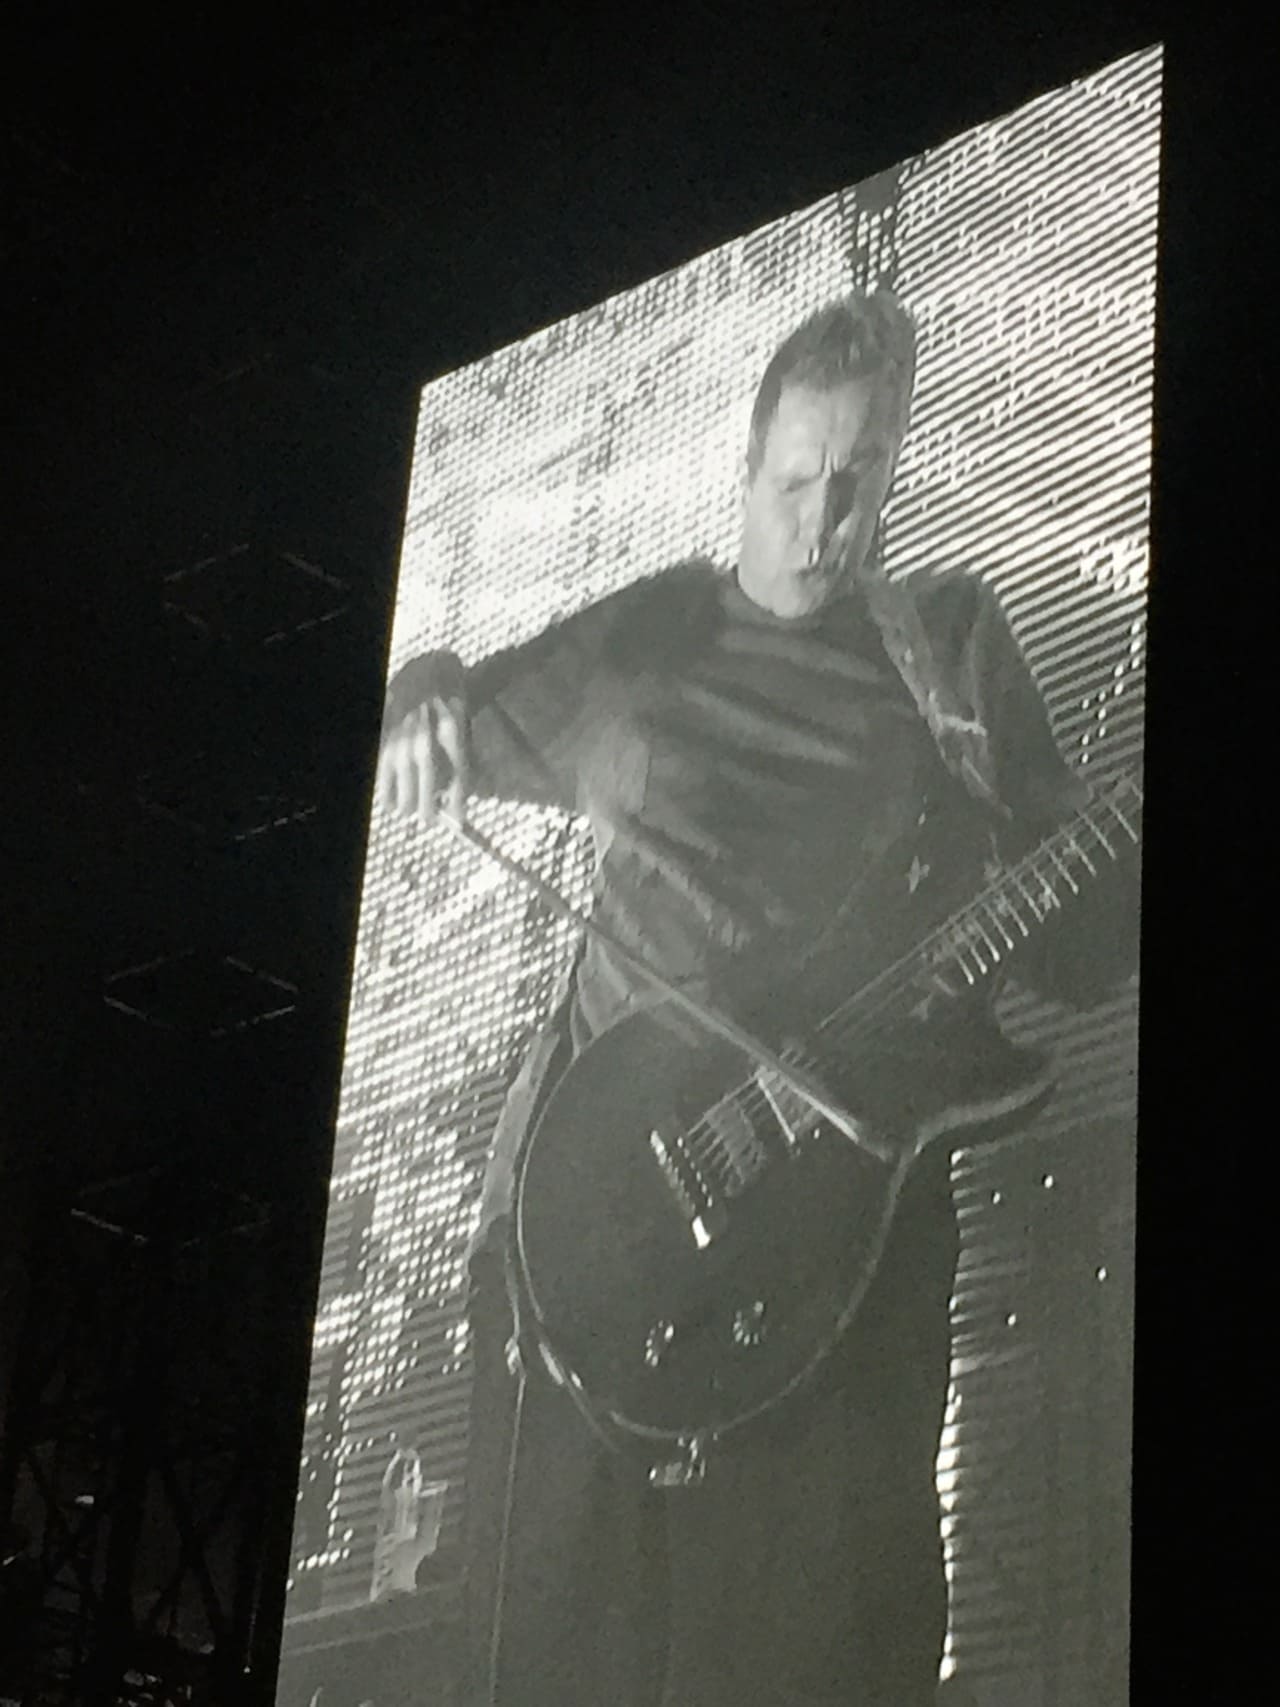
[(538, 709), (1082, 956), (528, 705)]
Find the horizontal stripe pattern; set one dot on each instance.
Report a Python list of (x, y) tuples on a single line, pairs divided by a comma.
[(563, 467)]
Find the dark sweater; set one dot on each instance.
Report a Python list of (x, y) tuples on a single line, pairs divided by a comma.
[(746, 775)]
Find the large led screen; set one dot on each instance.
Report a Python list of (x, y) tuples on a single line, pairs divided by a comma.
[(595, 453)]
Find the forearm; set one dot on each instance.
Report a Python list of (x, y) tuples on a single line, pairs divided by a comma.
[(524, 709)]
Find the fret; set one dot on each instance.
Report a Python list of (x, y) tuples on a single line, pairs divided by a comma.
[(1016, 912), (974, 948), (1070, 881), (1125, 825), (1050, 900), (744, 1132), (964, 938), (1009, 911), (982, 929), (958, 947), (993, 912), (1029, 899), (1081, 854), (1018, 898), (1097, 830)]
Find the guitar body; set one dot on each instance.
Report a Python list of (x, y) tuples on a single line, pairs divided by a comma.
[(679, 1297), (692, 1238)]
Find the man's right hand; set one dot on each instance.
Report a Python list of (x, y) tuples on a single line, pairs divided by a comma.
[(423, 762)]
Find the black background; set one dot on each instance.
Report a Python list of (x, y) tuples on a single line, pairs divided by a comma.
[(234, 256)]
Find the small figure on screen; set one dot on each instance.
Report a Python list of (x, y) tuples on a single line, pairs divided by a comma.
[(409, 1514), (711, 1279)]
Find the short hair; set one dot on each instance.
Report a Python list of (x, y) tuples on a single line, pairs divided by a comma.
[(863, 335)]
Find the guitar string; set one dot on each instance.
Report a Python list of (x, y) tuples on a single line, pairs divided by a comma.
[(749, 1096), (712, 1150), (708, 1148), (904, 970), (865, 1023)]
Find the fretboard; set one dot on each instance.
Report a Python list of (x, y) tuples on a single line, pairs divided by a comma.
[(983, 936), (726, 1145)]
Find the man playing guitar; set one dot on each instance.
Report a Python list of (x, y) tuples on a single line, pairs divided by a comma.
[(793, 773)]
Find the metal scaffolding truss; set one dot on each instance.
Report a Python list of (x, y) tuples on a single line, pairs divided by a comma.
[(135, 1473)]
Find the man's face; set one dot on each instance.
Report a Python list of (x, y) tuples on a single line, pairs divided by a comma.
[(811, 509)]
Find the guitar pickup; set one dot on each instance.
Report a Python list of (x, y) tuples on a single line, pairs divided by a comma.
[(706, 1218)]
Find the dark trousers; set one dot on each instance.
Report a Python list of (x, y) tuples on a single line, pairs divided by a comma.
[(806, 1570)]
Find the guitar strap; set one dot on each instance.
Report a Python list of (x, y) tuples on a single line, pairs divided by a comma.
[(961, 737)]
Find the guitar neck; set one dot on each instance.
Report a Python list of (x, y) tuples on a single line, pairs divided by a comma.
[(984, 936), (972, 946)]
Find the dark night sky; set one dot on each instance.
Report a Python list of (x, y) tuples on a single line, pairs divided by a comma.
[(236, 258)]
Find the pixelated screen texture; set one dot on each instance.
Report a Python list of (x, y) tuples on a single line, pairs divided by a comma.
[(602, 449)]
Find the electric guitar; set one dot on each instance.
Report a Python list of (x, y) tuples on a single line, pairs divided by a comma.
[(693, 1237)]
